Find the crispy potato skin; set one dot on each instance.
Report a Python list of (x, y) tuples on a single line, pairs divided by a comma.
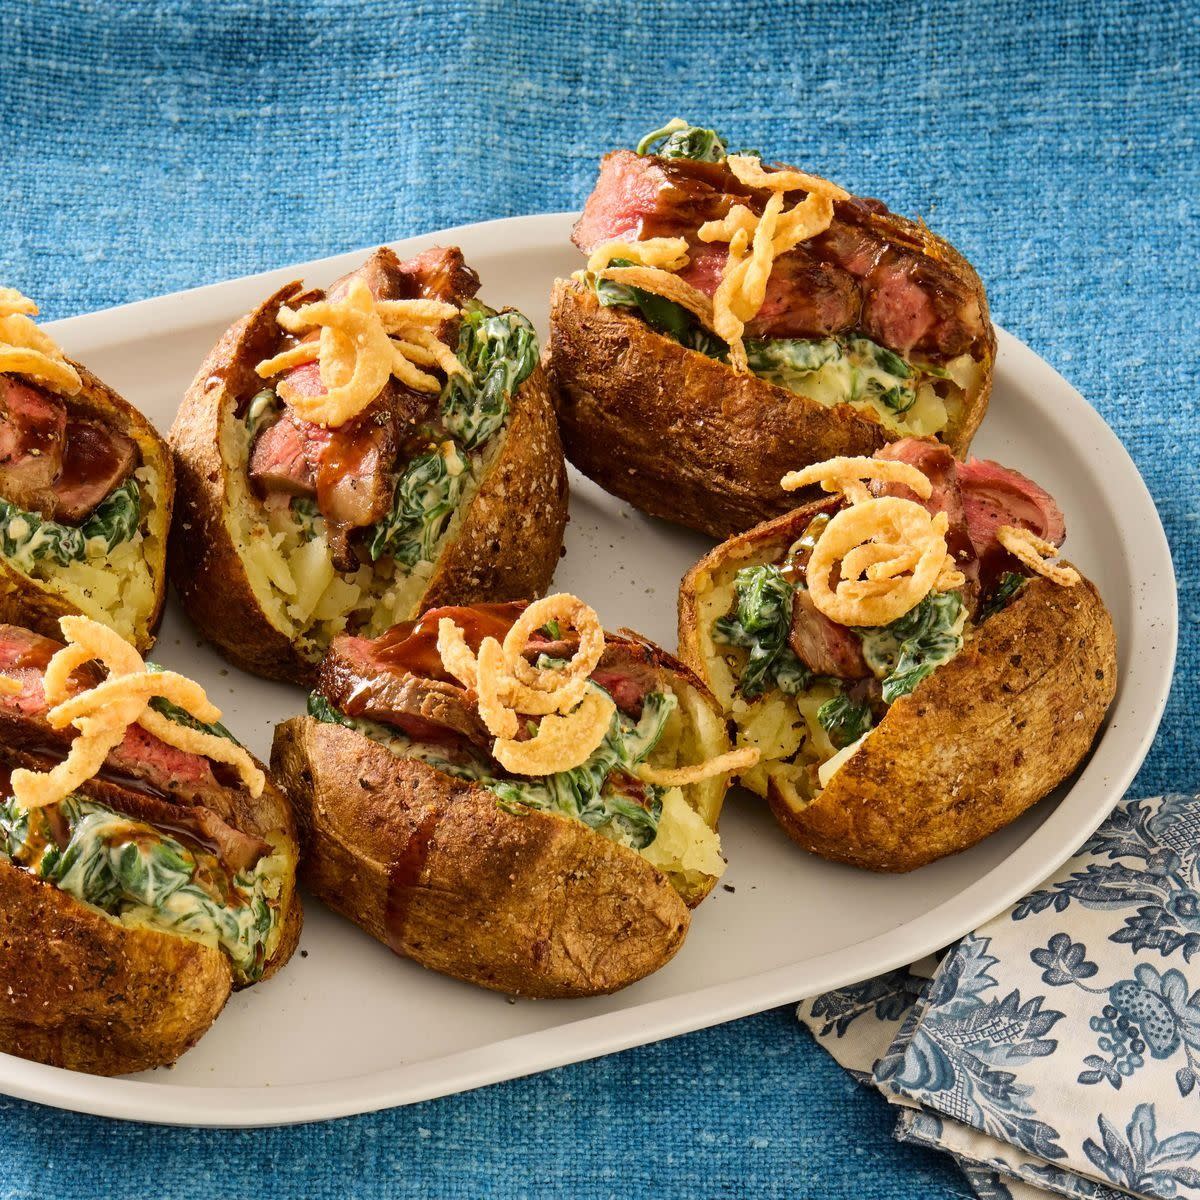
[(508, 546), (80, 990), (506, 549), (978, 742), (26, 601), (682, 436), (535, 905)]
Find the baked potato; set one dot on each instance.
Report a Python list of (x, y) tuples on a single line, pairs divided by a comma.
[(323, 493), (571, 876), (137, 894), (890, 741), (690, 377), (86, 490)]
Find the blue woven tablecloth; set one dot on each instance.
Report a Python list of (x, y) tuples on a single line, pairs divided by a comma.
[(149, 147)]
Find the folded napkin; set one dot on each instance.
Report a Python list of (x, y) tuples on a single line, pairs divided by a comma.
[(1057, 1048)]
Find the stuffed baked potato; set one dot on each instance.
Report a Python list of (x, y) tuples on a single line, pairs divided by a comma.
[(734, 322), (86, 489), (406, 456), (891, 738), (571, 875), (141, 883)]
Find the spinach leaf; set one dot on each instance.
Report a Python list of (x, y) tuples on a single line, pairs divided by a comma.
[(427, 493), (781, 359), (260, 411), (182, 717), (499, 352), (27, 537), (659, 313), (1011, 582), (915, 645), (306, 513), (587, 794), (888, 361), (898, 399), (760, 623), (844, 719), (591, 793), (680, 140), (322, 710)]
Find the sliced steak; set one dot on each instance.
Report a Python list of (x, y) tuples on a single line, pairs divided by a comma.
[(33, 427), (356, 679), (642, 196), (939, 466), (441, 273), (140, 757), (354, 477), (993, 496), (196, 825), (852, 276), (285, 455), (823, 646), (911, 303), (97, 461), (350, 470), (805, 298)]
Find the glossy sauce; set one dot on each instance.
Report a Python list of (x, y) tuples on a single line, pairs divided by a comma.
[(796, 563), (35, 656), (411, 646), (404, 878)]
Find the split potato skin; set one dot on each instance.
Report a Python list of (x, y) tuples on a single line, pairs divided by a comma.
[(28, 601), (684, 437), (506, 548), (532, 904), (979, 741), (83, 991)]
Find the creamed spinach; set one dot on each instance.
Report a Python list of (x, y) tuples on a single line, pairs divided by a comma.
[(131, 871), (601, 792)]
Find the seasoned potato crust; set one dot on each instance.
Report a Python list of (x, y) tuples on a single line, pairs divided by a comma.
[(985, 736), (534, 904), (684, 437)]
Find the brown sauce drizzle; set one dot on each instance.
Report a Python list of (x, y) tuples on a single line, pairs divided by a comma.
[(404, 878), (411, 646)]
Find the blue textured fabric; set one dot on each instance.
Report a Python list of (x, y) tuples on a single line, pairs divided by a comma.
[(153, 146)]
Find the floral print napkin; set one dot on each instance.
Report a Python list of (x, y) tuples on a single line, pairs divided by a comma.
[(1057, 1048)]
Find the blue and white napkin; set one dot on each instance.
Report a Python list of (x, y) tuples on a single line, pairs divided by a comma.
[(1057, 1048)]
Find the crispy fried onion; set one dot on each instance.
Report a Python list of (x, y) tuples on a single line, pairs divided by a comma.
[(756, 241), (362, 343), (575, 715), (102, 714), (890, 554), (846, 475), (576, 718), (1035, 553), (662, 283), (27, 350), (668, 253), (723, 764)]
